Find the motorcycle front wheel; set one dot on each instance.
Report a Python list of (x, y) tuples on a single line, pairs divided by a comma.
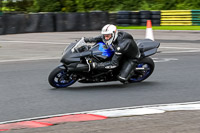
[(60, 78), (140, 75)]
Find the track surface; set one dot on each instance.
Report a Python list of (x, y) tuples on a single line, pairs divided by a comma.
[(26, 63)]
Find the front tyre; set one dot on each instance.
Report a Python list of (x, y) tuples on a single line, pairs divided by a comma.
[(140, 75), (60, 78)]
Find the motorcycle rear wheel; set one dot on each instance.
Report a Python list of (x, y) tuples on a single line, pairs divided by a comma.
[(60, 78), (139, 76)]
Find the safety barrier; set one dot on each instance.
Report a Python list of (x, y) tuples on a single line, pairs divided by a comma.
[(180, 17), (127, 18), (195, 17), (112, 18), (52, 22), (58, 22), (13, 24), (2, 25), (98, 19)]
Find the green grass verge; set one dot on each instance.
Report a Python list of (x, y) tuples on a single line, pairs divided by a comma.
[(163, 27)]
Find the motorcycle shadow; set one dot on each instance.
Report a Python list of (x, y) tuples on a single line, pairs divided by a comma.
[(108, 86)]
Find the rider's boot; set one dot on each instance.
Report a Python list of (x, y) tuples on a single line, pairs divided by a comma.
[(127, 71)]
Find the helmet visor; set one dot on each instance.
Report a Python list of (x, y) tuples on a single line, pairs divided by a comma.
[(107, 36)]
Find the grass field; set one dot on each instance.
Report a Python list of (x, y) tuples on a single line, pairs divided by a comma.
[(163, 27)]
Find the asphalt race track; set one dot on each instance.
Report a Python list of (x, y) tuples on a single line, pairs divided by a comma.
[(27, 59)]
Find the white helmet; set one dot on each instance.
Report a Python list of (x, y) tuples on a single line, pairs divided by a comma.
[(109, 29)]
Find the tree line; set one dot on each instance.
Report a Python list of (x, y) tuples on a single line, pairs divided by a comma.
[(93, 5)]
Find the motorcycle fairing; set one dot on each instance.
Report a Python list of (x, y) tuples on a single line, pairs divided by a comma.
[(102, 51), (147, 47)]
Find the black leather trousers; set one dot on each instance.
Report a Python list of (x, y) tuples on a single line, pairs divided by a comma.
[(127, 70)]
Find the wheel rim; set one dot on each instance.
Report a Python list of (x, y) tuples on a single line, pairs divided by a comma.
[(143, 74), (63, 79)]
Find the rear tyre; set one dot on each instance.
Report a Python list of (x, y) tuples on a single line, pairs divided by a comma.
[(60, 78), (141, 75)]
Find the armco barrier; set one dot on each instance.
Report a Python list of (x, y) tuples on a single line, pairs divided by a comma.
[(176, 17), (180, 17), (195, 17)]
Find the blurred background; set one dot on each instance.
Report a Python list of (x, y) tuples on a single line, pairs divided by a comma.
[(91, 5), (25, 16)]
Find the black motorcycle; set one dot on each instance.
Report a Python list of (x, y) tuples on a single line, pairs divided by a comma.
[(76, 57)]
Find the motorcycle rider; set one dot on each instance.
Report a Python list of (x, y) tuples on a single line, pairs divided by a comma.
[(126, 51)]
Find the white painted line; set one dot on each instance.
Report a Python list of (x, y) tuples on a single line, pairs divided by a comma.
[(185, 50), (178, 107), (164, 59), (33, 42), (53, 58), (176, 52), (149, 109), (129, 112), (29, 59), (178, 48)]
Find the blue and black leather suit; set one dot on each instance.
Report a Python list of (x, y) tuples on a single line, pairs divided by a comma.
[(126, 52)]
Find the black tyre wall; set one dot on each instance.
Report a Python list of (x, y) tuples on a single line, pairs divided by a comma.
[(135, 18), (22, 21), (124, 18), (2, 25), (84, 24), (155, 18), (144, 16), (50, 22), (32, 23), (98, 20), (11, 23), (60, 21), (113, 18), (40, 23), (71, 22), (46, 23)]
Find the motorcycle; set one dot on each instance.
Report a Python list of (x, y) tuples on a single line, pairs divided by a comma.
[(76, 57)]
